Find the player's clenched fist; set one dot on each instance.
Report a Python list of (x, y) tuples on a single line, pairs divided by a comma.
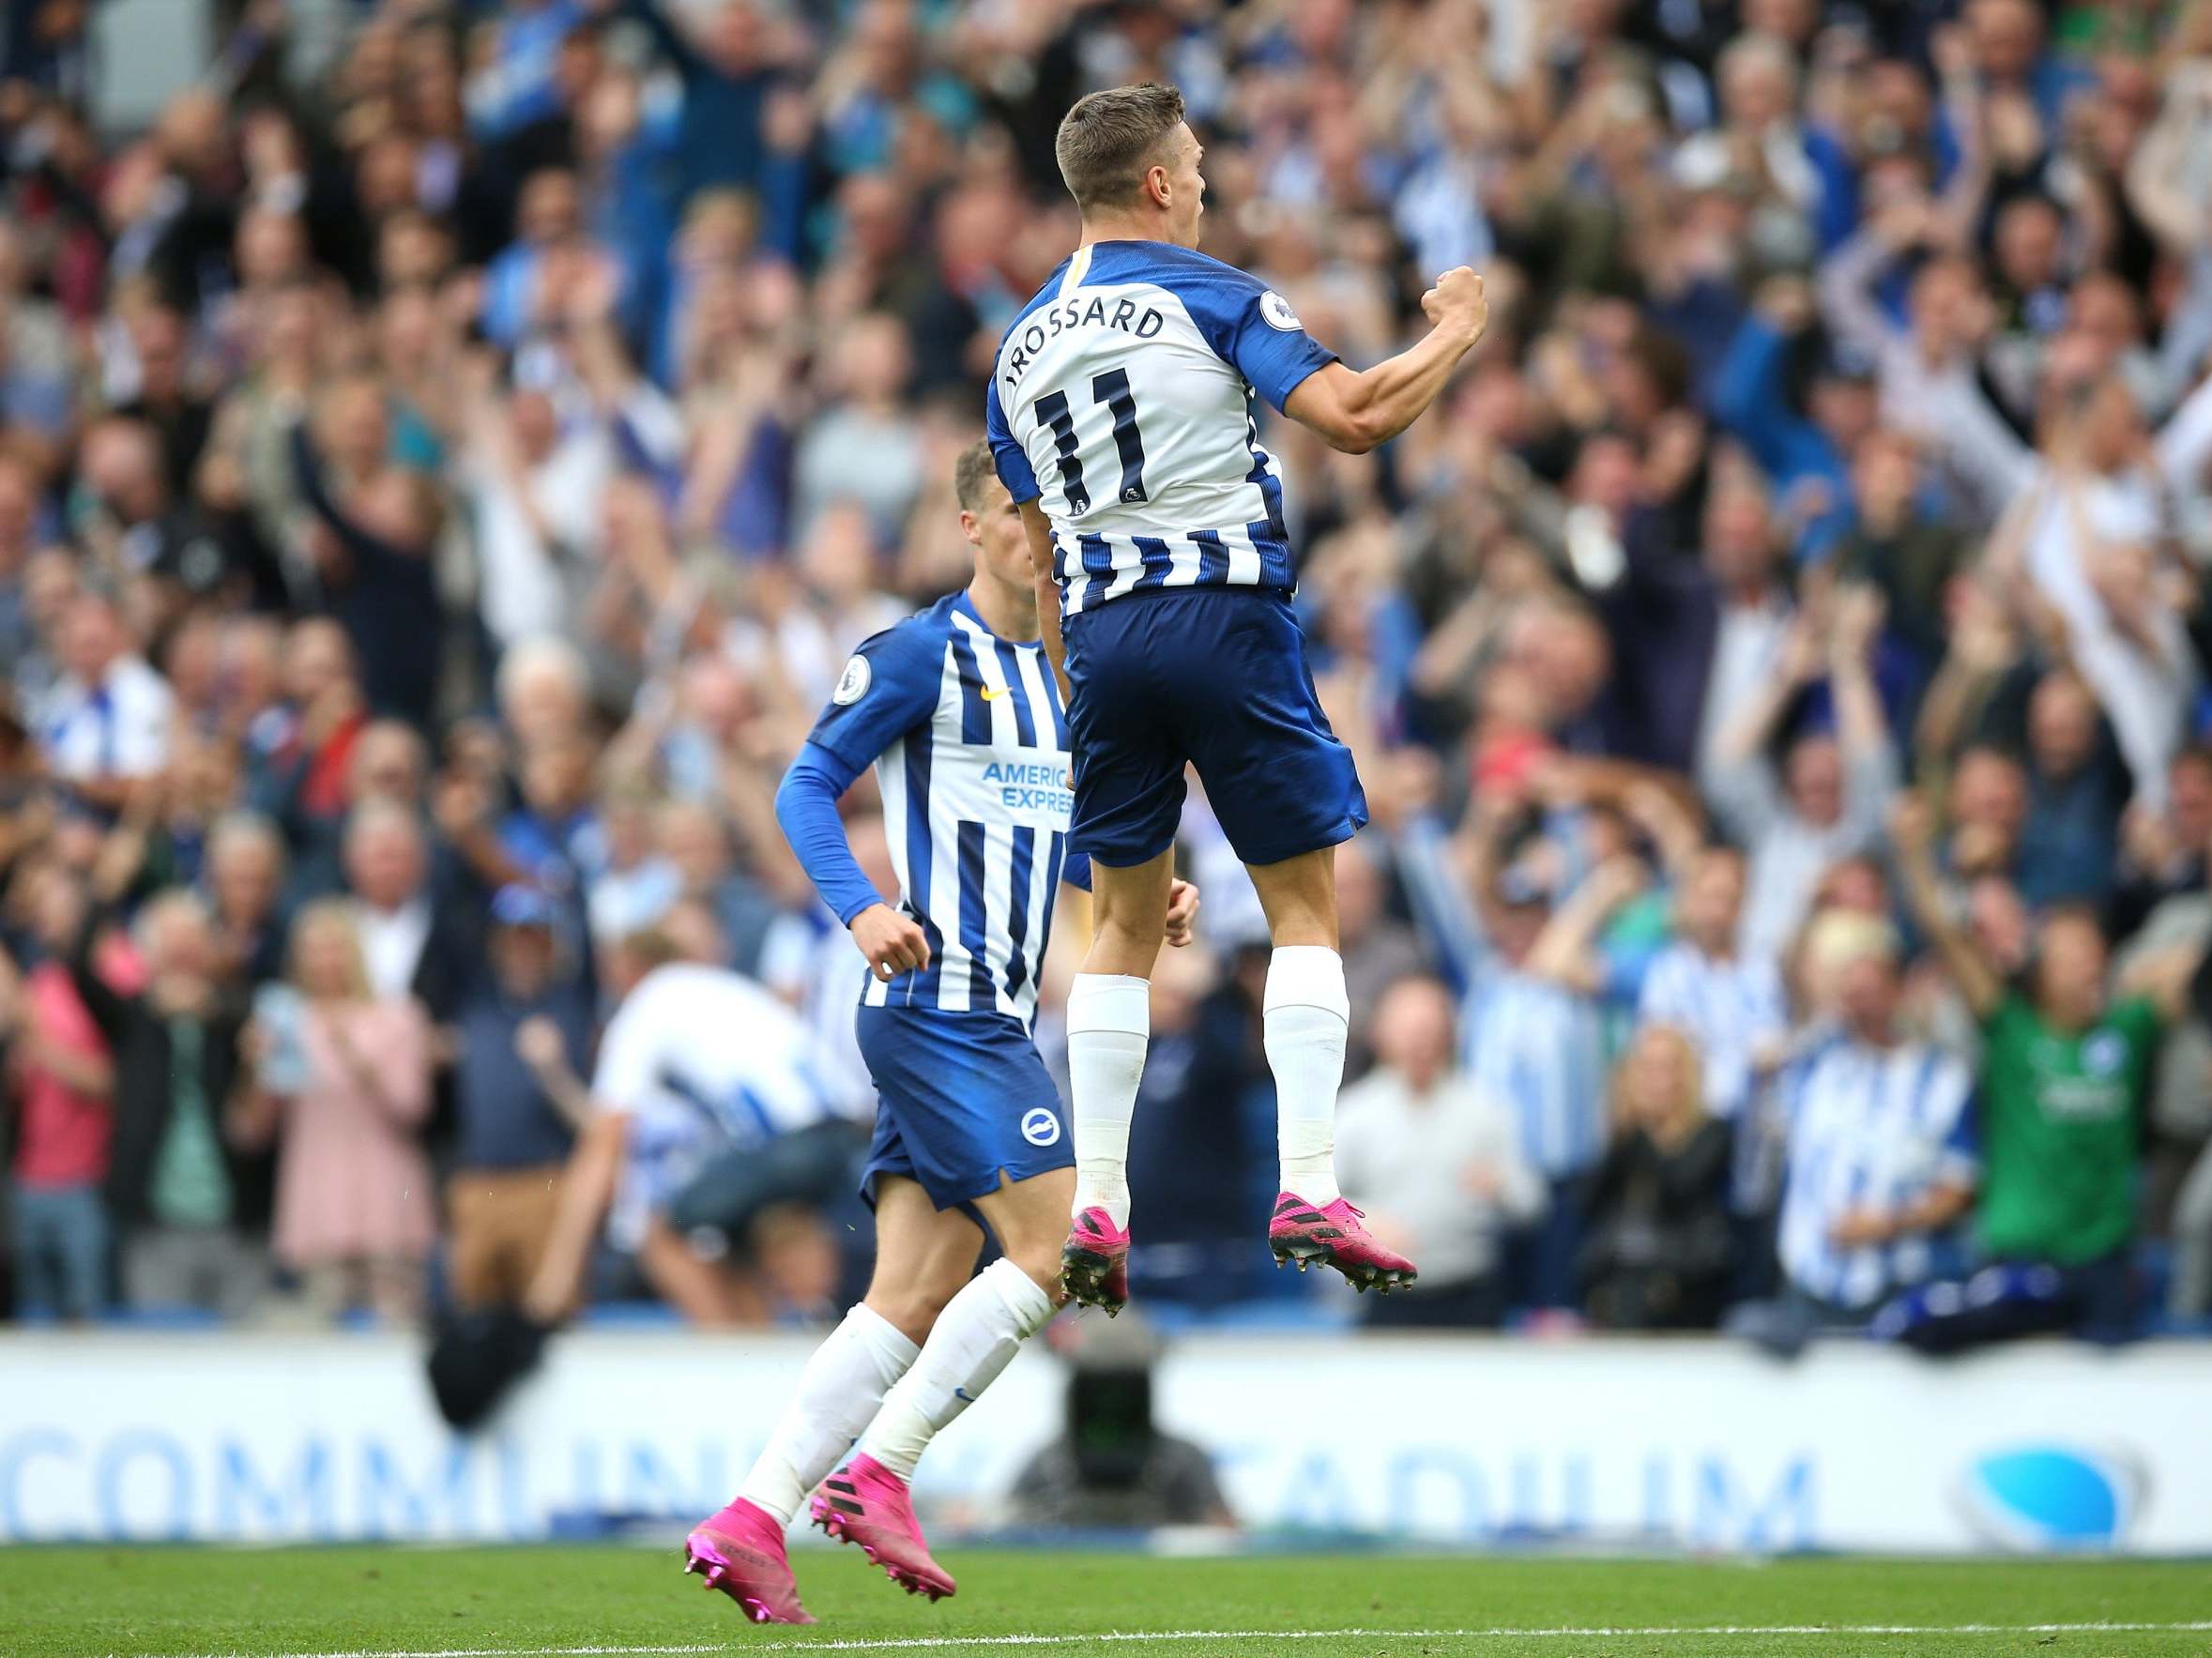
[(891, 942), (1182, 912), (1457, 302)]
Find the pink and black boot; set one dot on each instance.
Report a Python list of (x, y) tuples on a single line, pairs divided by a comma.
[(864, 1503), (740, 1551), (1331, 1234)]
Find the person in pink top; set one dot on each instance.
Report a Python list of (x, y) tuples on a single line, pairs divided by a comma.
[(344, 1078), (61, 1083)]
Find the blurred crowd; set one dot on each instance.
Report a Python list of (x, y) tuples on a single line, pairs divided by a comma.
[(445, 460)]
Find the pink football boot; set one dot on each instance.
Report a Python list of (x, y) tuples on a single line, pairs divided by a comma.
[(742, 1552), (1094, 1262), (864, 1503), (1334, 1236)]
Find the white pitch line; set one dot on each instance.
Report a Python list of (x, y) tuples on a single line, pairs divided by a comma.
[(1559, 1631)]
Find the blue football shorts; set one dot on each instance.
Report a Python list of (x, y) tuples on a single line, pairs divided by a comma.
[(1217, 677), (961, 1098)]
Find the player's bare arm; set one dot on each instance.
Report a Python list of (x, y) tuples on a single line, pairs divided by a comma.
[(1354, 410), (1039, 529)]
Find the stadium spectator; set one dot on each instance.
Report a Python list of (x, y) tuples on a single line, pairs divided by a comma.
[(245, 880), (1437, 1162), (471, 445), (525, 1030), (1203, 1104), (1695, 637), (1531, 1023), (188, 1178), (61, 1083), (1731, 1005), (412, 944), (1827, 799), (1880, 1163), (1660, 1249), (104, 725), (354, 1201), (2066, 1082), (1379, 948)]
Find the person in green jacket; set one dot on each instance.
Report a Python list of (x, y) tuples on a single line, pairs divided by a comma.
[(2065, 1076)]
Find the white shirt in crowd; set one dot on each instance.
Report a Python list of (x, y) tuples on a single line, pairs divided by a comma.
[(118, 728), (811, 964), (2146, 684), (393, 941), (1747, 649), (536, 554), (700, 1059), (1414, 1159)]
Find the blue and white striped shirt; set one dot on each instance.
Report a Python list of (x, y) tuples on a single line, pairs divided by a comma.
[(1868, 1127), (970, 748), (1121, 399), (1540, 1047), (1728, 1008), (1537, 1045)]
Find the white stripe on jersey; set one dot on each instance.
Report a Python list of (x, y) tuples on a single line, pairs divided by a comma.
[(1244, 555), (1006, 797), (951, 966), (1126, 576), (1182, 562), (1052, 730)]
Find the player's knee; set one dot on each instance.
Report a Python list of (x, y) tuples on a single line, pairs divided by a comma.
[(912, 1307), (1129, 907), (1127, 940), (1039, 1260), (1130, 920)]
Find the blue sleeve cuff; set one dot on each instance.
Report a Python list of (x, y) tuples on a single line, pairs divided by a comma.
[(807, 807)]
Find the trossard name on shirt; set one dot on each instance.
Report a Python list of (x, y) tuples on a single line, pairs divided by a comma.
[(1081, 311)]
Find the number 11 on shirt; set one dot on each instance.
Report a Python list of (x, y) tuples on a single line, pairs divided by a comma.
[(1112, 389)]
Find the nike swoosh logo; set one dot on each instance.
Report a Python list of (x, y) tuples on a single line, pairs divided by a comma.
[(964, 1395), (992, 696)]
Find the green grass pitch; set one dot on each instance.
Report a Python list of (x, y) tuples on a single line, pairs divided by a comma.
[(183, 1603)]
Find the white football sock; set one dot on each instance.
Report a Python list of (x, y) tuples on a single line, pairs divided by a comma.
[(975, 1337), (839, 1393), (1110, 1022), (1304, 1019)]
